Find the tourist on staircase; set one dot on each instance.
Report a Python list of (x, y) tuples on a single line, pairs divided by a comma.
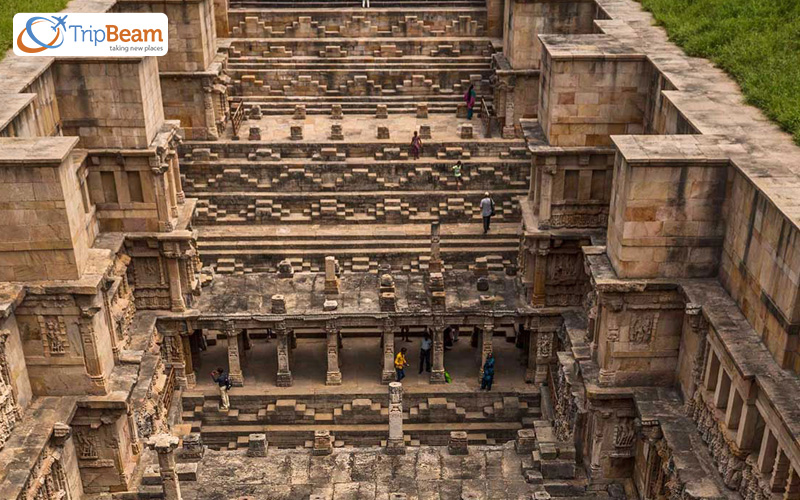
[(425, 353), (400, 364), (221, 379), (416, 146), (487, 211), (457, 174), (470, 98), (488, 373)]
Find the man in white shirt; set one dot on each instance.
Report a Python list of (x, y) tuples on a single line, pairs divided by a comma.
[(487, 211), (425, 353)]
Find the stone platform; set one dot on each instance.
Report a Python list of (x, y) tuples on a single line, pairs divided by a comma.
[(426, 473)]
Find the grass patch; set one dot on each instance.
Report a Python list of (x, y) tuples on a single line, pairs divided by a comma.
[(10, 7), (756, 41)]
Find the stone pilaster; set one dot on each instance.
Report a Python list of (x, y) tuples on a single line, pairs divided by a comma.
[(91, 355), (544, 197), (334, 375), (387, 371), (208, 108), (396, 444), (283, 347), (164, 445), (162, 200), (234, 363), (172, 254), (538, 294), (172, 157)]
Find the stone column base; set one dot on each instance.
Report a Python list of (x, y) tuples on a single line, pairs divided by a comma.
[(509, 133), (237, 380), (388, 377), (333, 378), (285, 380), (395, 447), (437, 377)]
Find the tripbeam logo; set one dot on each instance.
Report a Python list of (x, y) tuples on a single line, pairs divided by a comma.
[(91, 35)]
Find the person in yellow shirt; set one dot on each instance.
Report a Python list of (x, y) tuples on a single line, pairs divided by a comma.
[(400, 364)]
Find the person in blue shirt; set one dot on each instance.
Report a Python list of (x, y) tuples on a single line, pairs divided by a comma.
[(425, 353), (488, 373), (221, 379)]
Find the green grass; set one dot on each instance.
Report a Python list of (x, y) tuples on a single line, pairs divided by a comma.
[(756, 41), (10, 7)]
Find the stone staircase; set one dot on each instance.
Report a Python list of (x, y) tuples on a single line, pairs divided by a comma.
[(287, 186), (357, 420)]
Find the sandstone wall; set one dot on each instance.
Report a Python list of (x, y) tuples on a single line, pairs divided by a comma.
[(47, 230), (760, 268), (525, 20), (110, 103)]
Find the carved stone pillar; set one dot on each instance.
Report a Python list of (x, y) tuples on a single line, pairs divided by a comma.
[(538, 294), (334, 375), (612, 306), (598, 432), (171, 255), (176, 177), (133, 430), (158, 170), (792, 491), (112, 325), (486, 346), (191, 378), (545, 195), (530, 370), (437, 370), (9, 408), (208, 108), (544, 353), (435, 265), (387, 370), (780, 472), (91, 355), (283, 347), (509, 127), (234, 362), (396, 443), (164, 445)]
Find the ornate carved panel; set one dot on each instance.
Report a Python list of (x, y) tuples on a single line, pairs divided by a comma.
[(53, 332)]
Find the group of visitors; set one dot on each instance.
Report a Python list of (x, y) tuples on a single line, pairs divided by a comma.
[(487, 205), (425, 355), (470, 98)]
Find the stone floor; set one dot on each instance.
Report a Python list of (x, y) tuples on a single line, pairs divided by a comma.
[(360, 359), (424, 473), (363, 128)]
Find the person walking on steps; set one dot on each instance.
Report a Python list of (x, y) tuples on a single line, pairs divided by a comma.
[(425, 353), (470, 98), (400, 364), (416, 146), (404, 331), (457, 174), (487, 211), (488, 373), (224, 382)]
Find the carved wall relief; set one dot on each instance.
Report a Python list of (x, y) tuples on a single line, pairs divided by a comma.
[(53, 333), (9, 410)]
